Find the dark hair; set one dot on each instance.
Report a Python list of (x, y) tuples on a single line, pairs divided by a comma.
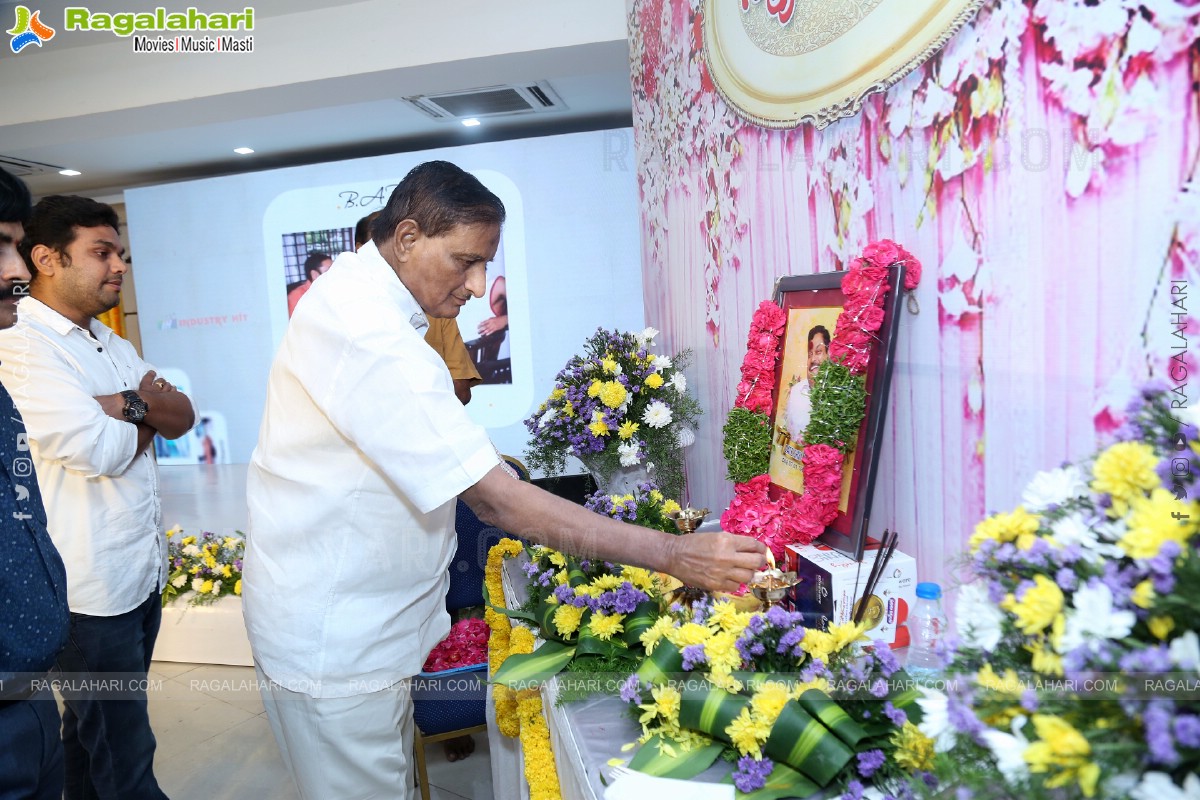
[(821, 329), (438, 196), (55, 219), (362, 229), (313, 263), (15, 203)]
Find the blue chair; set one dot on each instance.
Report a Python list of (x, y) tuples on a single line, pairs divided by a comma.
[(451, 703)]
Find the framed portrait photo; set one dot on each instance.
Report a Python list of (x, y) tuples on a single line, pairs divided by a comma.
[(812, 304)]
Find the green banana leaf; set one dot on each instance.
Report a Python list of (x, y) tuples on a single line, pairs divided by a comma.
[(526, 670), (782, 782), (803, 742), (642, 618), (590, 644), (659, 667), (832, 716), (708, 709), (651, 760)]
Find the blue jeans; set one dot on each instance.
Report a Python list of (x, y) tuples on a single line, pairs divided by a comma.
[(106, 734), (31, 754)]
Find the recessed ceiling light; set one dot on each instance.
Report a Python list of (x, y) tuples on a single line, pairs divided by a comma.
[(470, 122), (69, 172), (243, 151)]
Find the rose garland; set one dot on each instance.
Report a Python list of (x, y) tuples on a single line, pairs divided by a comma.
[(838, 407), (518, 713)]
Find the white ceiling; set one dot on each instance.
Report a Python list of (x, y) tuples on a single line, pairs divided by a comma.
[(324, 82)]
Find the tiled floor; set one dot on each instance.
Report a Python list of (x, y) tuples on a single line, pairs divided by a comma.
[(214, 742)]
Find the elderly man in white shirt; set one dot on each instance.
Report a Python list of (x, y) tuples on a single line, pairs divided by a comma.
[(92, 407), (362, 453)]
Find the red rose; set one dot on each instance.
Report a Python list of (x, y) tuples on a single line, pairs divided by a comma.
[(883, 253)]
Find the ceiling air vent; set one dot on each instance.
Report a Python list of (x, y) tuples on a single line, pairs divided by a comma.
[(492, 101), (23, 168)]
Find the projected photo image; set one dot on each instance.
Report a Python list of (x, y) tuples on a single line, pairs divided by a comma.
[(307, 256)]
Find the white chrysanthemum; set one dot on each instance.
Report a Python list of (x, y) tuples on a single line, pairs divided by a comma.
[(657, 414), (191, 550), (935, 719), (216, 587), (660, 363), (1053, 488), (679, 382), (978, 619), (1072, 529), (179, 580), (646, 337), (548, 417), (629, 454), (1009, 750), (1185, 651), (1093, 618), (197, 583), (1159, 786)]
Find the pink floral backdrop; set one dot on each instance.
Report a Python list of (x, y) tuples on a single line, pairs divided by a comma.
[(1043, 167)]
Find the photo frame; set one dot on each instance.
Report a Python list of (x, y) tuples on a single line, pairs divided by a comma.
[(812, 304)]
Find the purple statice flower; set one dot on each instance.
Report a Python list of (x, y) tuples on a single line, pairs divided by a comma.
[(960, 715), (963, 793), (631, 689), (1066, 579), (627, 598), (565, 595), (791, 641), (854, 790), (889, 665), (1029, 700), (896, 715), (1187, 730), (238, 564), (755, 625), (751, 774), (546, 577), (694, 654), (880, 689), (529, 567), (855, 671), (1157, 719), (1071, 553), (1154, 659), (996, 591), (866, 713)]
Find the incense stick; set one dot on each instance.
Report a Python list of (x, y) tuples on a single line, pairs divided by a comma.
[(871, 577)]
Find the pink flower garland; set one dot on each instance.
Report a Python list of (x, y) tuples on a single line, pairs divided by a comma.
[(465, 645), (792, 519)]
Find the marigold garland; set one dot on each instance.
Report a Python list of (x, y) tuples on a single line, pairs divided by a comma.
[(499, 638), (800, 519)]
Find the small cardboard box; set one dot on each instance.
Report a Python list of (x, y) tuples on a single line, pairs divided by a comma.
[(830, 583)]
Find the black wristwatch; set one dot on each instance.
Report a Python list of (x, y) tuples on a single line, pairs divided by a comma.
[(135, 407)]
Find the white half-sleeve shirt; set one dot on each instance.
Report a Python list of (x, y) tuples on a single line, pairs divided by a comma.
[(362, 453)]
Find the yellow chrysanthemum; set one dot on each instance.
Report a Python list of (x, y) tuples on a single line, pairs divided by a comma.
[(726, 616), (187, 540), (172, 531), (226, 571), (609, 364), (566, 619), (1018, 526), (652, 635), (1157, 519), (556, 558), (206, 587), (210, 562), (914, 750), (666, 703), (1062, 749), (606, 626), (1126, 470), (654, 380), (237, 587), (800, 687), (1045, 660), (1143, 594), (560, 577), (1008, 684), (194, 570), (613, 393), (1037, 609), (688, 634), (569, 408), (598, 426), (818, 644), (769, 700), (640, 578), (627, 429), (594, 387), (670, 507), (558, 394), (748, 734), (846, 634), (722, 653), (1161, 627)]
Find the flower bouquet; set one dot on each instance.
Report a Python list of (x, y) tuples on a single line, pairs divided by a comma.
[(799, 710), (1077, 671), (210, 566), (617, 405), (645, 506)]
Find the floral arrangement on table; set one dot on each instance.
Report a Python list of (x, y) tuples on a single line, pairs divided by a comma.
[(798, 710), (838, 408), (209, 566), (464, 646), (646, 506), (1079, 665), (617, 405)]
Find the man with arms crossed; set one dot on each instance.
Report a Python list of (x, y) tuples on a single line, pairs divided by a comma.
[(92, 407), (363, 450)]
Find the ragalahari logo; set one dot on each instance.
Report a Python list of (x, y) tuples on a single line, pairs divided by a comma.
[(29, 30)]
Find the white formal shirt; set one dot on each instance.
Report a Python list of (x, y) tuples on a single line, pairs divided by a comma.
[(102, 503), (362, 452)]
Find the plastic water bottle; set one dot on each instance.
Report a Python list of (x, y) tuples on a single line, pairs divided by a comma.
[(926, 625)]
